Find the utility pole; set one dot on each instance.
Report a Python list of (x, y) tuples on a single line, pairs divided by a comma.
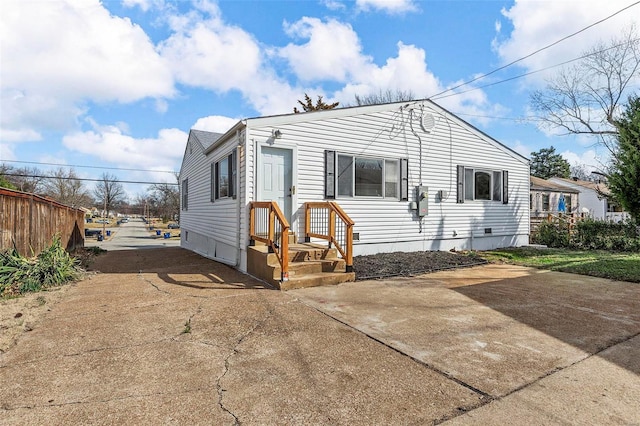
[(104, 212)]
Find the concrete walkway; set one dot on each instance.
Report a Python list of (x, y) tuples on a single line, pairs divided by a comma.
[(133, 235), (190, 341)]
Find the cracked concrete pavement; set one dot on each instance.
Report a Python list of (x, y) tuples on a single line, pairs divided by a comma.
[(166, 336)]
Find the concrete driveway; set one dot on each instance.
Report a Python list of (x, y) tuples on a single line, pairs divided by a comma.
[(191, 341), (543, 347)]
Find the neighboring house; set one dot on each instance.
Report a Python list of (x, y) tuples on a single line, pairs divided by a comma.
[(594, 199), (412, 176), (550, 197)]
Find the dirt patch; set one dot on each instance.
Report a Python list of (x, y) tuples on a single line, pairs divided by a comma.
[(21, 314), (405, 264)]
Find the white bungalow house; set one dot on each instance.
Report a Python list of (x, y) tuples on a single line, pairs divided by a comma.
[(392, 177), (594, 199)]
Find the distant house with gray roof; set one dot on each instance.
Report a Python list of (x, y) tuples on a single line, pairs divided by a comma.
[(595, 199)]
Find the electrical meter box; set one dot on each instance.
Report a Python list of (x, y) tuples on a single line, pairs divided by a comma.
[(423, 200)]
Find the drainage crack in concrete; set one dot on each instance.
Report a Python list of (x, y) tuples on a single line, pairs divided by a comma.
[(233, 352), (88, 351), (547, 374), (101, 401), (152, 284), (559, 369)]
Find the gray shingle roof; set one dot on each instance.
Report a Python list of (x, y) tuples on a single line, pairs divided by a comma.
[(205, 138)]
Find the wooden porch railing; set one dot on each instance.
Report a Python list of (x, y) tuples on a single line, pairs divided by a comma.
[(268, 225), (327, 221)]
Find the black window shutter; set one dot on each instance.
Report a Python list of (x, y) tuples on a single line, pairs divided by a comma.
[(404, 179), (217, 181), (329, 174), (213, 182), (460, 184), (505, 187), (233, 175)]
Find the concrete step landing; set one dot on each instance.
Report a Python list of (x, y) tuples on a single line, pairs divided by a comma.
[(310, 265)]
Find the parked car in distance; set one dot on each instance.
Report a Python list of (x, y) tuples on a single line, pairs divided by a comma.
[(102, 221), (173, 226), (92, 232)]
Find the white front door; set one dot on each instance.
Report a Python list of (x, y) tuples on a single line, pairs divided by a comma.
[(276, 178)]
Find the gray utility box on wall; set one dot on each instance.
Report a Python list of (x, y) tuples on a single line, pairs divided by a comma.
[(422, 195)]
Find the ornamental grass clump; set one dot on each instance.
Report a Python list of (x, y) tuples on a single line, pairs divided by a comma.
[(52, 267)]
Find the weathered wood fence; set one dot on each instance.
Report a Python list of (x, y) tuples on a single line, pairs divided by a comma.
[(30, 222)]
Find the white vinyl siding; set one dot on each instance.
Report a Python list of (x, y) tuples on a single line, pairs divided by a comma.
[(379, 134), (212, 227)]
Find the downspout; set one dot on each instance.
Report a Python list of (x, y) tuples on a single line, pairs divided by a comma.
[(238, 188)]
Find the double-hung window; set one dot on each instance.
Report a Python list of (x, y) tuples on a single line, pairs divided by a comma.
[(185, 194), (480, 184), (223, 177), (348, 175)]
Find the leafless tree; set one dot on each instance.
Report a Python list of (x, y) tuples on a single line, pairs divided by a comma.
[(109, 192), (385, 97), (586, 98), (25, 179), (64, 186), (165, 199)]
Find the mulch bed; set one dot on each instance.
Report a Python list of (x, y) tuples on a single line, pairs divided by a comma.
[(406, 264)]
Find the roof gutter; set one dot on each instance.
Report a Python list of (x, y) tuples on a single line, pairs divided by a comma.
[(226, 136)]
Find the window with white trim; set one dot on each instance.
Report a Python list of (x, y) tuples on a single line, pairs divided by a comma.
[(185, 193), (480, 184), (223, 178), (349, 175)]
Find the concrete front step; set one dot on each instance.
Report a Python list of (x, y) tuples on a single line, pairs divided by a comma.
[(310, 265), (315, 280)]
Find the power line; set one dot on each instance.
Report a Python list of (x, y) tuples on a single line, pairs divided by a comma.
[(87, 167), (85, 179), (535, 52), (534, 71)]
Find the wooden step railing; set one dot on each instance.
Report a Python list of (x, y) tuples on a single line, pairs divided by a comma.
[(267, 224), (327, 221)]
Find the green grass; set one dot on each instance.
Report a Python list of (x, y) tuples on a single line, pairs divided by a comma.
[(614, 265)]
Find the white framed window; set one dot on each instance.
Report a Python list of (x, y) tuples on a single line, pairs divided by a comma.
[(348, 175), (480, 184), (223, 177), (185, 194)]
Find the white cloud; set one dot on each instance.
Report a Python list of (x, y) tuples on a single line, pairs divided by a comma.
[(333, 4), (333, 50), (208, 53), (590, 158), (537, 24), (205, 52), (521, 148), (72, 51), (111, 144), (215, 123), (7, 150), (142, 4), (388, 6)]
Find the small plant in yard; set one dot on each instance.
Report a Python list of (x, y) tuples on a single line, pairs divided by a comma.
[(187, 327), (52, 267)]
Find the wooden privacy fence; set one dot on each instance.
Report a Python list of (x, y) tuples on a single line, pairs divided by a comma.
[(30, 222)]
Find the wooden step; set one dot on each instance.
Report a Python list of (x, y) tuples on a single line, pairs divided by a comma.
[(310, 265), (316, 280)]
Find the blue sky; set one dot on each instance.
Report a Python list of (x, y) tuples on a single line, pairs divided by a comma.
[(118, 84)]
